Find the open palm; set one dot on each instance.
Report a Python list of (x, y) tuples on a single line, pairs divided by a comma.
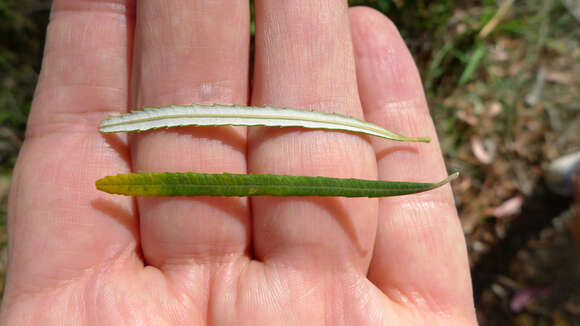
[(81, 257)]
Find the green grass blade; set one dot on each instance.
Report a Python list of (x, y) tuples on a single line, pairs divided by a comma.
[(472, 65), (239, 115), (203, 184)]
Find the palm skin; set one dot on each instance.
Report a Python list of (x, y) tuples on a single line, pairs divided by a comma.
[(81, 257)]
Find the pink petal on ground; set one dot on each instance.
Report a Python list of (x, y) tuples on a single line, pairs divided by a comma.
[(509, 207), (525, 296), (479, 151)]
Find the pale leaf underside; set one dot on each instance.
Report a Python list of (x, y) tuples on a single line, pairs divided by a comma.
[(237, 115)]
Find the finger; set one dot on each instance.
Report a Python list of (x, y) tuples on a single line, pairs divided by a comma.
[(304, 60), (420, 254), (186, 53), (60, 226)]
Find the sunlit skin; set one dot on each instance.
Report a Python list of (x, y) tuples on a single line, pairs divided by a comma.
[(78, 256)]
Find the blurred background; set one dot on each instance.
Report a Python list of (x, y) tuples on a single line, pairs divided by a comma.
[(503, 82)]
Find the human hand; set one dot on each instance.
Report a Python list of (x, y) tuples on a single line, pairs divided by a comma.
[(78, 256)]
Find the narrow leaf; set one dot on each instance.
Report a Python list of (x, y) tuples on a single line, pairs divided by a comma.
[(203, 184), (236, 115)]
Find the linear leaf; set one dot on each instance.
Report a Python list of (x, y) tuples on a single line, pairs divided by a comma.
[(236, 115), (203, 184)]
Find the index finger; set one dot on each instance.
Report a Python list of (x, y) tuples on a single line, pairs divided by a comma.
[(59, 224)]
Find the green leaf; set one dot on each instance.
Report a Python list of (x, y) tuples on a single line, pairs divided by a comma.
[(238, 115), (203, 184)]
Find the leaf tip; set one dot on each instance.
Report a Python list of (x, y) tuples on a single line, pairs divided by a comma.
[(422, 139), (101, 183), (450, 178), (413, 139), (108, 184), (104, 126)]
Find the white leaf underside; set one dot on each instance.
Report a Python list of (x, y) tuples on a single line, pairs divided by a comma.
[(236, 115)]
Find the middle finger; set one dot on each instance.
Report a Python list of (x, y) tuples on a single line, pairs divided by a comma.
[(193, 51)]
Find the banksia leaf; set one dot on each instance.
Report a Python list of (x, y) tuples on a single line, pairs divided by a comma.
[(203, 184), (237, 115)]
